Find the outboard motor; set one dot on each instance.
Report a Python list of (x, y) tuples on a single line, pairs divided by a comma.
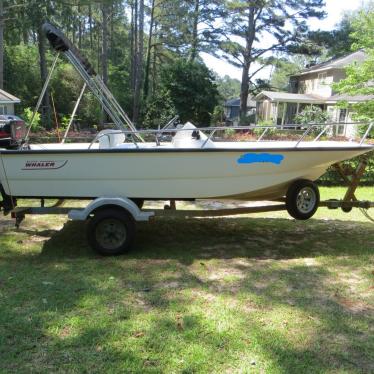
[(12, 131)]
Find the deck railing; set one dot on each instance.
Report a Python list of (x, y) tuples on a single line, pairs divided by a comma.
[(311, 132)]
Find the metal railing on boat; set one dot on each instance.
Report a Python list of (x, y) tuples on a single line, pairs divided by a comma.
[(306, 130)]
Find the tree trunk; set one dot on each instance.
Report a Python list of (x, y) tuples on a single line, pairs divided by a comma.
[(135, 45), (132, 58), (149, 49), (139, 64), (195, 35), (1, 44), (104, 54), (244, 90), (90, 26), (104, 51), (46, 107), (154, 63), (79, 28)]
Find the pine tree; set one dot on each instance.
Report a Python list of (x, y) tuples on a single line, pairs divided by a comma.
[(263, 26)]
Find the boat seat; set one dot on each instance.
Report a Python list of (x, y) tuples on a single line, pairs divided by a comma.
[(191, 138), (110, 138)]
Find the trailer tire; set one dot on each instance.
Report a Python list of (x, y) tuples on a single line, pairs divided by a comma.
[(302, 199), (111, 231)]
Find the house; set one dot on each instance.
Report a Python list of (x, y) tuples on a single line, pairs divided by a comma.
[(312, 86), (7, 102), (232, 110)]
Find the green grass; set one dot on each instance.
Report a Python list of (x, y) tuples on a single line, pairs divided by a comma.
[(256, 294)]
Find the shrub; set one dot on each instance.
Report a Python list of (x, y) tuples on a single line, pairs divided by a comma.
[(312, 114), (27, 116)]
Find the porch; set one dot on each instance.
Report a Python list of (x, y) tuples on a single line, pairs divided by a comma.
[(281, 108)]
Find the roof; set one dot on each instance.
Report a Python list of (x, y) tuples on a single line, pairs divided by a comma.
[(236, 102), (286, 97), (335, 63), (232, 102), (350, 99), (290, 97), (6, 98)]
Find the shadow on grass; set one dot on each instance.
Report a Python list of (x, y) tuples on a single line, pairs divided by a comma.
[(70, 310), (188, 240)]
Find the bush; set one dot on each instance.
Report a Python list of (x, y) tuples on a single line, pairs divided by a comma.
[(159, 110), (312, 114), (260, 128), (192, 90), (332, 178), (27, 116)]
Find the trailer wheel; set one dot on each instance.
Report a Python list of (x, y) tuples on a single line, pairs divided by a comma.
[(111, 231), (302, 199), (347, 209)]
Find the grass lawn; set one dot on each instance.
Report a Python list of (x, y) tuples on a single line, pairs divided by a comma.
[(254, 294)]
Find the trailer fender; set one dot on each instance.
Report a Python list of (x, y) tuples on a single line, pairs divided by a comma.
[(104, 202)]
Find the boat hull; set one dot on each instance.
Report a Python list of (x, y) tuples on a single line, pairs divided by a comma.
[(165, 174)]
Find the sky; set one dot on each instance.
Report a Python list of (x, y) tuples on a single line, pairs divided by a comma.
[(335, 10)]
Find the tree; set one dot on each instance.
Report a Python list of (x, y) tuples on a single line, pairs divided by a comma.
[(192, 89), (337, 42), (283, 68), (205, 30), (2, 44), (249, 23), (360, 77), (228, 88)]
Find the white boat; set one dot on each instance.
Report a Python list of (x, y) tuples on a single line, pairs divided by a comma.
[(191, 166)]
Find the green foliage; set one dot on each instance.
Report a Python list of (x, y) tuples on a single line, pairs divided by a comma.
[(312, 114), (21, 73), (28, 116), (260, 128), (229, 133), (247, 119), (248, 22), (337, 42), (359, 77), (218, 115), (284, 67), (159, 110), (332, 178), (228, 88), (64, 123), (192, 89)]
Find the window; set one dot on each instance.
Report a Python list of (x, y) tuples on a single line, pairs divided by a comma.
[(322, 79), (3, 109), (342, 119), (342, 115)]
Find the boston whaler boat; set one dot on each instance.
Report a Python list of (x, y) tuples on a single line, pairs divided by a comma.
[(118, 170)]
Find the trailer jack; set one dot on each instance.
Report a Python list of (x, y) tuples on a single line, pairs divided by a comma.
[(8, 203), (352, 178)]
